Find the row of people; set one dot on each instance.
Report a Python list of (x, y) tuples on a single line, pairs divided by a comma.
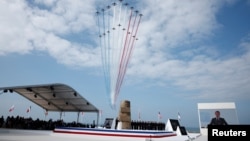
[(28, 123), (147, 125)]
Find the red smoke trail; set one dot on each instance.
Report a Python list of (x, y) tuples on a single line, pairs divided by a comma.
[(130, 52)]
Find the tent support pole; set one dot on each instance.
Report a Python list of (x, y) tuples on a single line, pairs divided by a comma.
[(98, 115), (60, 115), (78, 115)]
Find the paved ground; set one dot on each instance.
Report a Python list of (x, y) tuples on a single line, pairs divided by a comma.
[(201, 138)]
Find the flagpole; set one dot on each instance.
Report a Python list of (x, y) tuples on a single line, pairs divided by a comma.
[(28, 111), (12, 109), (139, 116), (159, 116), (78, 115), (45, 114), (179, 117), (82, 116)]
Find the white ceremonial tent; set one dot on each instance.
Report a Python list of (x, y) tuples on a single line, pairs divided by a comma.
[(54, 97)]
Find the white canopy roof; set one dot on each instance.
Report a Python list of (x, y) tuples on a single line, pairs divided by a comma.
[(53, 97)]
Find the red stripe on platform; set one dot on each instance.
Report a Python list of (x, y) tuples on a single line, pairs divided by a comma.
[(116, 135)]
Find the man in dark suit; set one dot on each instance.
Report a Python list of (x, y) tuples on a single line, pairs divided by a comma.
[(217, 120)]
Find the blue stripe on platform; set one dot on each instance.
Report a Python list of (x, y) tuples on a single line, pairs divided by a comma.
[(117, 131)]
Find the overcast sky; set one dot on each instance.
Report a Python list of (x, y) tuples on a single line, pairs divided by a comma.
[(188, 52)]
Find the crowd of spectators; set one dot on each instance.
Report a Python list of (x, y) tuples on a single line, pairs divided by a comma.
[(28, 123)]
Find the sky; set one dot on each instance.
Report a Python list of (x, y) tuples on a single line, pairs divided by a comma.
[(188, 52)]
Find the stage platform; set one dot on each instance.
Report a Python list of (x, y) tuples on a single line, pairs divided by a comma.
[(40, 135)]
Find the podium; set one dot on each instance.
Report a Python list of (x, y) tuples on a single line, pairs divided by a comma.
[(173, 125), (206, 113)]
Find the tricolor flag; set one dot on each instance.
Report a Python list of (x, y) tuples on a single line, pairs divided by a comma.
[(179, 116), (12, 108), (28, 110), (46, 112), (159, 116)]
